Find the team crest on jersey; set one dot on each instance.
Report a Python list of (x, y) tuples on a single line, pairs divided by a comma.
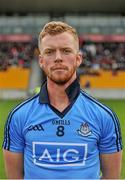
[(84, 130)]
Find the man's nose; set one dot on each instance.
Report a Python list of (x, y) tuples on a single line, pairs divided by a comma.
[(58, 56)]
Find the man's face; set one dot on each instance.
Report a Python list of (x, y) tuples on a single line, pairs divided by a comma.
[(59, 57)]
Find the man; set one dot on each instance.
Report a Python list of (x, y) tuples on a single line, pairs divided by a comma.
[(62, 132)]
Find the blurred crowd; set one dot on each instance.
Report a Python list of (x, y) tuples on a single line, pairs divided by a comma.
[(16, 54), (106, 56)]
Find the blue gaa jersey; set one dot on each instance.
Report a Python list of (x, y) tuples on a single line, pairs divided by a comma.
[(62, 145)]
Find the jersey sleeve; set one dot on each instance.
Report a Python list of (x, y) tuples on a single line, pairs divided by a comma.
[(13, 137), (110, 140)]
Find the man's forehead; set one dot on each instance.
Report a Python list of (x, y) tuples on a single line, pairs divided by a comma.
[(62, 36), (63, 40)]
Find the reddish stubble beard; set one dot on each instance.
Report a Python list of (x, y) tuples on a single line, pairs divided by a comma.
[(60, 74)]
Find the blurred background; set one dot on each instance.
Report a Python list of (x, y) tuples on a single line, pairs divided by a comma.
[(101, 28)]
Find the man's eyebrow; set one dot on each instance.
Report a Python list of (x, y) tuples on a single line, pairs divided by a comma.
[(48, 49)]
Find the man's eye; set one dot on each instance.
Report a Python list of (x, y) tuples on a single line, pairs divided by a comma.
[(66, 51), (49, 52)]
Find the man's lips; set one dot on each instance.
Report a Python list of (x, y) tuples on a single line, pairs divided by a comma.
[(59, 68)]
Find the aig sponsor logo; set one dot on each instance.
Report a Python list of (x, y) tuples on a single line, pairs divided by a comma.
[(59, 154)]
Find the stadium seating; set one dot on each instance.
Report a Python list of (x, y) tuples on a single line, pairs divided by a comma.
[(105, 79), (14, 78)]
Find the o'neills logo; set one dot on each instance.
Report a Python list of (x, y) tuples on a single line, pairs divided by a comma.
[(60, 122)]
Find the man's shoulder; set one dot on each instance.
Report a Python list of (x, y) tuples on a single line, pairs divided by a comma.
[(95, 104), (24, 106)]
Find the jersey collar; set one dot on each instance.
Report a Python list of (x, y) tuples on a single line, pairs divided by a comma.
[(72, 92)]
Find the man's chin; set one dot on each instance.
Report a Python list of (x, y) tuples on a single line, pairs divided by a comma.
[(60, 81)]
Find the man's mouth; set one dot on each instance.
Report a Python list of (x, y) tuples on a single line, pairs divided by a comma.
[(59, 68)]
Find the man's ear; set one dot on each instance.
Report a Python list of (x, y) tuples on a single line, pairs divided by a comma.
[(79, 59), (40, 60)]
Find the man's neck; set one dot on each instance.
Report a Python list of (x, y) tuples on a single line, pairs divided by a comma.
[(57, 94)]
